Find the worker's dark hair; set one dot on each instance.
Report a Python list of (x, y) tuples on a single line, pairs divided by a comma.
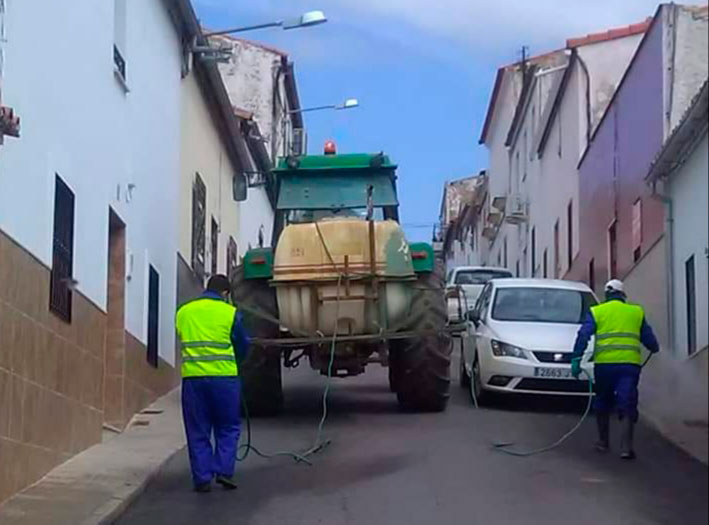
[(615, 295), (219, 284)]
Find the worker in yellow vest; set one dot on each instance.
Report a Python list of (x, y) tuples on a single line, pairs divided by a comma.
[(213, 343), (620, 329)]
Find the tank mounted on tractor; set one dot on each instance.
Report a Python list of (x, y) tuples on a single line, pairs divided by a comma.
[(342, 287)]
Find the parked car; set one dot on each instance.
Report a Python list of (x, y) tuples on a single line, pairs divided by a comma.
[(519, 338), (464, 285)]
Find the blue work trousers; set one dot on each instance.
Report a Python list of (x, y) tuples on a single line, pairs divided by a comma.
[(617, 387), (210, 406)]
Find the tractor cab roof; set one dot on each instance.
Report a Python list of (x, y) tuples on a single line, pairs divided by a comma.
[(336, 181), (349, 161)]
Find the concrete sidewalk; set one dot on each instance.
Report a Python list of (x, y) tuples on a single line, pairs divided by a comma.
[(95, 486)]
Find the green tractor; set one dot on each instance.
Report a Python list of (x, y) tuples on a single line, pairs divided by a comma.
[(342, 287)]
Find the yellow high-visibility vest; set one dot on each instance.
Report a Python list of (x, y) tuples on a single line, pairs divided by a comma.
[(204, 327), (618, 327)]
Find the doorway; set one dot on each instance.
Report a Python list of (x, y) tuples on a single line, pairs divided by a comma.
[(114, 349)]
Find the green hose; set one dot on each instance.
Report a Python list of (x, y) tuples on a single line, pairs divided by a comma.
[(502, 446), (245, 449)]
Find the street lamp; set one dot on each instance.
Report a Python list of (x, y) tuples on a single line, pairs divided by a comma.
[(311, 18), (350, 103)]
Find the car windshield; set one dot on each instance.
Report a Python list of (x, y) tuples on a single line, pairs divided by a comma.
[(541, 305), (479, 276), (305, 216)]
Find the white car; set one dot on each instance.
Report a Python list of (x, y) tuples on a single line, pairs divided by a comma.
[(464, 284), (519, 338)]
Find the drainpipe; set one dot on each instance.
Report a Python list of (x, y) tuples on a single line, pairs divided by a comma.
[(669, 267), (588, 95)]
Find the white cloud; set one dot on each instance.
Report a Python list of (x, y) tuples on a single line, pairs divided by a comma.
[(489, 23), (483, 29)]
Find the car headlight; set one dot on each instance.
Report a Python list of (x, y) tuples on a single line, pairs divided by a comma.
[(501, 349)]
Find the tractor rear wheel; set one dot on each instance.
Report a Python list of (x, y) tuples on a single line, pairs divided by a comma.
[(260, 372), (421, 366)]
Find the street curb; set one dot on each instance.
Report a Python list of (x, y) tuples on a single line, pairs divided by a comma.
[(113, 509)]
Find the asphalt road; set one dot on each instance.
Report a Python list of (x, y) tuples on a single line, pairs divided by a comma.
[(389, 467)]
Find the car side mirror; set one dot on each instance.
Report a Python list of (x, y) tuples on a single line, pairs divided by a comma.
[(473, 317), (239, 187)]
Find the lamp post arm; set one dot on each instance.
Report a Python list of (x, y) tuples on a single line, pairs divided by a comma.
[(306, 110), (242, 29)]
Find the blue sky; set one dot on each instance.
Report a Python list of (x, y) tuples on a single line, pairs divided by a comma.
[(422, 70)]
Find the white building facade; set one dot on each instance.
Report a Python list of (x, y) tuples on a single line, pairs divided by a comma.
[(541, 115), (88, 223), (676, 392)]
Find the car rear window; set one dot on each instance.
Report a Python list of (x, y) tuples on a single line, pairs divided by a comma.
[(542, 305), (479, 276)]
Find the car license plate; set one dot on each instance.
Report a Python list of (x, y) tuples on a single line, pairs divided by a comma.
[(553, 373)]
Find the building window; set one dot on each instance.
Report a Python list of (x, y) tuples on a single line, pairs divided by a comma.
[(232, 257), (570, 233), (153, 316), (557, 261), (637, 229), (119, 37), (691, 305), (199, 225), (558, 147), (214, 246), (544, 264), (612, 251), (60, 282), (526, 149), (592, 275), (534, 251)]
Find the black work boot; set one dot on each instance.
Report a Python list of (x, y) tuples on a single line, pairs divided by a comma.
[(203, 488), (627, 426), (227, 482), (603, 424)]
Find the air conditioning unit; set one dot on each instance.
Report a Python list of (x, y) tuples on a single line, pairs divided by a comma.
[(517, 210), (494, 217), (499, 203), (489, 232)]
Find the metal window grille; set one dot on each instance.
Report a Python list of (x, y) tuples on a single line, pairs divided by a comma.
[(153, 316), (199, 225), (232, 256), (691, 291), (119, 62), (60, 295)]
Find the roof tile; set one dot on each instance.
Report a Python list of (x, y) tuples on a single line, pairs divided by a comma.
[(612, 34)]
